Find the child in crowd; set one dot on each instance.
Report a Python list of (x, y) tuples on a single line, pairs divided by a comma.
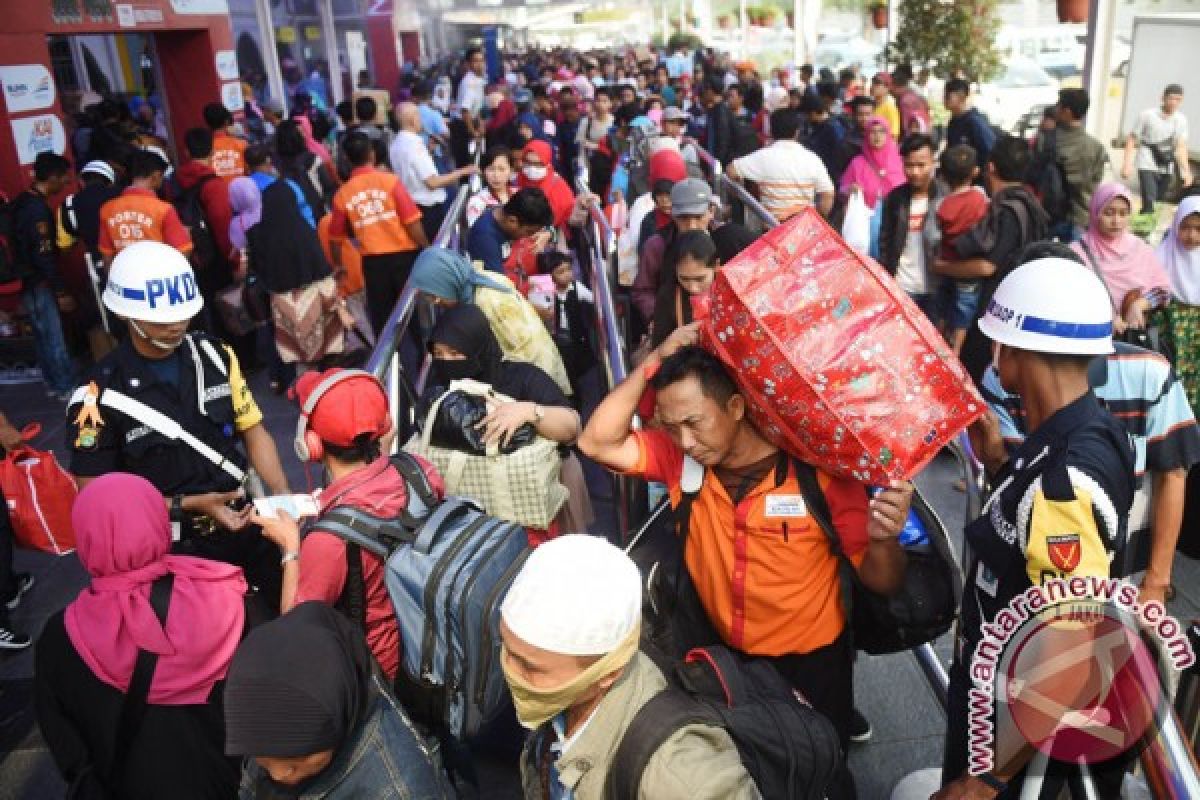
[(566, 305), (964, 206)]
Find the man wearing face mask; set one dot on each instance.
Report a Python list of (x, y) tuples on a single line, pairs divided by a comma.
[(570, 626), (173, 407)]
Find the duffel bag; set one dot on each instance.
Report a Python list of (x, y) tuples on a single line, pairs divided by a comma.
[(523, 486), (39, 493)]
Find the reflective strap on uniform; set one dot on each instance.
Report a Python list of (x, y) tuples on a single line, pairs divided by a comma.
[(168, 427)]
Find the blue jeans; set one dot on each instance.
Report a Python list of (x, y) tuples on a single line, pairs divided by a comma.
[(42, 308)]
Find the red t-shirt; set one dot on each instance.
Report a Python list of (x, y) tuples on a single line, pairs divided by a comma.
[(376, 489)]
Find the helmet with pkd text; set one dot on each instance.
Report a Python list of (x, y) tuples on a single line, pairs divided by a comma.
[(152, 282), (1051, 305)]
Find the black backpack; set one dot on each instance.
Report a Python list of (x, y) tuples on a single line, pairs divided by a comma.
[(191, 213), (1048, 179), (789, 749)]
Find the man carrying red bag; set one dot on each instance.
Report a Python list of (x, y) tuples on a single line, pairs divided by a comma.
[(760, 564)]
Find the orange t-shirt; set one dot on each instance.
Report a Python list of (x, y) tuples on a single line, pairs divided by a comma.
[(374, 208), (228, 156), (763, 568), (349, 271), (138, 215)]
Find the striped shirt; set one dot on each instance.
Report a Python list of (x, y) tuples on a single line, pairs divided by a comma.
[(789, 176)]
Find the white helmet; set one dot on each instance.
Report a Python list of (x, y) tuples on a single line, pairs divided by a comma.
[(1051, 305), (152, 282)]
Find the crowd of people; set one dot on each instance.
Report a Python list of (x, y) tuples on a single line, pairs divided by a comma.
[(239, 653)]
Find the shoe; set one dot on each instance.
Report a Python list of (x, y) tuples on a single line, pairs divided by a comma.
[(11, 640), (860, 727), (24, 584)]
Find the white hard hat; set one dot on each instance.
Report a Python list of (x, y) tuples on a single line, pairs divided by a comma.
[(1051, 305), (152, 282), (576, 595)]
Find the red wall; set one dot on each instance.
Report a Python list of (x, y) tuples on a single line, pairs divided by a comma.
[(187, 44)]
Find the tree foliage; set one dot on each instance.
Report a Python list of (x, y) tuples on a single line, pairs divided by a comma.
[(949, 36)]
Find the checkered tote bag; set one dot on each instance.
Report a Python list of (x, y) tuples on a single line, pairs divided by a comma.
[(522, 486)]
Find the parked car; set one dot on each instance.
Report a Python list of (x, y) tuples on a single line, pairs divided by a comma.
[(848, 51), (1055, 48), (1022, 86)]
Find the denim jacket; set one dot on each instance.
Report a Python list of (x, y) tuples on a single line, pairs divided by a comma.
[(384, 758)]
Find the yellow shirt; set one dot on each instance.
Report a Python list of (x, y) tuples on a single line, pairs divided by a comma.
[(246, 413)]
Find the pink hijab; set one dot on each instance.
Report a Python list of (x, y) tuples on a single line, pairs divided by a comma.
[(316, 148), (877, 170), (123, 535), (1125, 261)]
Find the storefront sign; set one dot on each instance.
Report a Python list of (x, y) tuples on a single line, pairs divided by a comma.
[(27, 87), (231, 96), (312, 33), (227, 66), (200, 6), (39, 134), (285, 34), (130, 16)]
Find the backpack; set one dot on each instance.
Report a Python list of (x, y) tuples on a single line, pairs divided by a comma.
[(10, 273), (447, 568), (1048, 179), (924, 608), (789, 749), (191, 213), (745, 138)]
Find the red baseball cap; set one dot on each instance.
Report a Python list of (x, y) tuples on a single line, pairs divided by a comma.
[(347, 410)]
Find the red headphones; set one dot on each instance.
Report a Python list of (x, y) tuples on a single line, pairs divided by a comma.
[(308, 444)]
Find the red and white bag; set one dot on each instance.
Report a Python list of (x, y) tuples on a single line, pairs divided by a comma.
[(39, 494)]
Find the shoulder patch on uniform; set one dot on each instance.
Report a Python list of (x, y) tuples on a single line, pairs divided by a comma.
[(1064, 551)]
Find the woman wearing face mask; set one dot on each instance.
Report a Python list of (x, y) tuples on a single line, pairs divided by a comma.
[(1128, 266), (308, 708), (537, 172), (1180, 255), (463, 347), (85, 660), (449, 280), (497, 167), (687, 275)]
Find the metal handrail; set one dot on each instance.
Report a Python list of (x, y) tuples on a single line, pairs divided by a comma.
[(384, 361), (723, 181), (1168, 760)]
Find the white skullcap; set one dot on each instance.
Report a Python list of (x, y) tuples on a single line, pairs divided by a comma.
[(576, 595)]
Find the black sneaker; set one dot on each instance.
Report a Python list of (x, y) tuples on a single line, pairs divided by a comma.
[(860, 727), (24, 584), (11, 640)]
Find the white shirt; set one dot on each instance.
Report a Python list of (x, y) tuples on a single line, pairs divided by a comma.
[(470, 93), (413, 163), (1153, 128), (911, 269), (789, 177)]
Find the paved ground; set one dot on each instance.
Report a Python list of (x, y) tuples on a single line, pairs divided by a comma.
[(891, 690)]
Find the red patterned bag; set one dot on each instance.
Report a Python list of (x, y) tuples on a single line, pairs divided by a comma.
[(838, 366), (40, 494)]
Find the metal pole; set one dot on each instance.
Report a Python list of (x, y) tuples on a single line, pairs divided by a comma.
[(742, 26), (1097, 65), (266, 33), (329, 34)]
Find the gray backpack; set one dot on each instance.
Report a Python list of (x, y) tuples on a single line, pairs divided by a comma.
[(448, 567)]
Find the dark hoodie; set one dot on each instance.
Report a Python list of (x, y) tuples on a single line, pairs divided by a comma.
[(214, 199)]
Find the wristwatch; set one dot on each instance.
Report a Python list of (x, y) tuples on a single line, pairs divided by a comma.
[(176, 514), (539, 414)]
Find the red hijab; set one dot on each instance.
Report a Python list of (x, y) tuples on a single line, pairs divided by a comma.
[(665, 165), (562, 199), (123, 538)]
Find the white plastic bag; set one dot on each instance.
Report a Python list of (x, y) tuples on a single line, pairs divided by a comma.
[(856, 226)]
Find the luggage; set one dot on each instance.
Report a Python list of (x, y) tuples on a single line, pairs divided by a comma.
[(448, 568), (838, 366), (789, 749), (39, 494), (523, 486)]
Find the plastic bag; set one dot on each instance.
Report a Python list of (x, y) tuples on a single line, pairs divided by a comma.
[(40, 494), (455, 424), (838, 366), (856, 226)]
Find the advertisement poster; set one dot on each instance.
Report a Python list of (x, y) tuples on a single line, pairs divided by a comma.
[(227, 67), (231, 96), (27, 87), (38, 134)]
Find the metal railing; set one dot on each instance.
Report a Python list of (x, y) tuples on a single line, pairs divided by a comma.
[(385, 362), (1168, 762)]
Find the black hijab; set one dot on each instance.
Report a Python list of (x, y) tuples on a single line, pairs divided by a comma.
[(465, 328), (298, 685), (731, 239), (285, 253)]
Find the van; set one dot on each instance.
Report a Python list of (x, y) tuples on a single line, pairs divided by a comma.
[(1055, 48)]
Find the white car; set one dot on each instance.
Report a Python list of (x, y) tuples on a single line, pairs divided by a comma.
[(839, 53), (1022, 86)]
